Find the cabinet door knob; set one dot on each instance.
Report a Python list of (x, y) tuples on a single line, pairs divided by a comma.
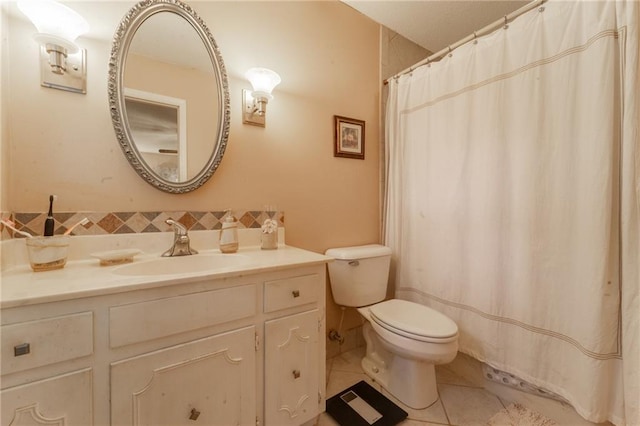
[(21, 349), (296, 293), (296, 374), (194, 414)]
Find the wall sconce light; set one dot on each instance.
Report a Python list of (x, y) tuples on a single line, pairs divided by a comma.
[(62, 62), (254, 104)]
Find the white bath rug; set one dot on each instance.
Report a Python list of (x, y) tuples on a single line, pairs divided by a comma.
[(517, 415)]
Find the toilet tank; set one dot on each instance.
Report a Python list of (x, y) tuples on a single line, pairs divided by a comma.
[(359, 274)]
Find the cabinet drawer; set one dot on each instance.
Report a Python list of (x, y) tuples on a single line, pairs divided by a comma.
[(60, 400), (290, 292), (139, 322), (36, 343)]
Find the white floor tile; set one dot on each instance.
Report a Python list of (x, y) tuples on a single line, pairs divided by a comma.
[(349, 361), (328, 366), (466, 399), (346, 371), (326, 420), (468, 406), (434, 413), (410, 422), (463, 370)]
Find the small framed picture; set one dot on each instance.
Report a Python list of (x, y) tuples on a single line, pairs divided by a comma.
[(349, 138)]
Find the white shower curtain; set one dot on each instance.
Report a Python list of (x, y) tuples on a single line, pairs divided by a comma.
[(512, 184)]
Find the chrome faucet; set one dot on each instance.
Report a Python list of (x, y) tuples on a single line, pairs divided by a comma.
[(181, 243)]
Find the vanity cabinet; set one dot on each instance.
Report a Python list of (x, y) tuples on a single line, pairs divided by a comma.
[(211, 381), (241, 349)]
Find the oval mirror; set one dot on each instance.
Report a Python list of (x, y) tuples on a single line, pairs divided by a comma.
[(168, 95)]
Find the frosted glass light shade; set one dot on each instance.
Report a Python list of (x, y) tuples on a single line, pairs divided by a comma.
[(55, 22), (263, 81)]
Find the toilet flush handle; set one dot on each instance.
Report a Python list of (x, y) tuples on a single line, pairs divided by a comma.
[(354, 263)]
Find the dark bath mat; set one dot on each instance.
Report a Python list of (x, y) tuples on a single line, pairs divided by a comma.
[(362, 405)]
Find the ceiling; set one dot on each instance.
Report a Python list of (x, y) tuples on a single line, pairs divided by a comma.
[(435, 24), (432, 24)]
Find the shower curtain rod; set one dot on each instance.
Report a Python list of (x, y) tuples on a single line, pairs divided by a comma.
[(486, 30)]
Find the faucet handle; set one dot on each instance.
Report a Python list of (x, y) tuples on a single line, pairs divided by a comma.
[(181, 244), (178, 228)]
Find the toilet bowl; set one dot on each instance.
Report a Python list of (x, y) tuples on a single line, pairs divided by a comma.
[(405, 340)]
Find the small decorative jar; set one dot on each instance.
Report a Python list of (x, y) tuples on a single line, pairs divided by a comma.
[(269, 238)]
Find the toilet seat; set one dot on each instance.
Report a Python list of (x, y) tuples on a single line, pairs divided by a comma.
[(414, 321)]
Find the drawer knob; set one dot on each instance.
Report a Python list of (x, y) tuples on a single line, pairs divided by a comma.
[(194, 414), (296, 374), (21, 349), (296, 293)]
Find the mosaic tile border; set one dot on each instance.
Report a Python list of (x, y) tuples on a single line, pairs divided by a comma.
[(105, 223)]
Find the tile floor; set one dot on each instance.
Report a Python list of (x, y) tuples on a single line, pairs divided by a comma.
[(466, 398)]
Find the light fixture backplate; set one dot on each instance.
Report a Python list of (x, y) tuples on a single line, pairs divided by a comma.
[(73, 80), (248, 117)]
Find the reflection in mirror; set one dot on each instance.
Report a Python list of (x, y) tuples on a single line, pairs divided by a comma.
[(169, 95), (157, 125)]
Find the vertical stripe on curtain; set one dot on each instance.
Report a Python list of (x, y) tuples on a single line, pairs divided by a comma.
[(512, 200)]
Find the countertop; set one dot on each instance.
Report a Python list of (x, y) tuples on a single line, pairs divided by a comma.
[(20, 286)]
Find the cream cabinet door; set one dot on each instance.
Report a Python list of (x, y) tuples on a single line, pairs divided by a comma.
[(292, 369), (211, 381), (64, 400)]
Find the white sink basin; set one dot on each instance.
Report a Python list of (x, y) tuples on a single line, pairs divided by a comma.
[(179, 265)]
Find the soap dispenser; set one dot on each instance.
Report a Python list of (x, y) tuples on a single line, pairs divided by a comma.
[(229, 234)]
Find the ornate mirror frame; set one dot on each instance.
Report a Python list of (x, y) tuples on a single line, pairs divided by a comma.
[(117, 62)]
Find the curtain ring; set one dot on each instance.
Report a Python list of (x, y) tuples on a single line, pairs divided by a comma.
[(450, 54), (475, 38), (506, 22)]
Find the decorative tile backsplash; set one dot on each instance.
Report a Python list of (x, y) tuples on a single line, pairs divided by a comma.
[(102, 223)]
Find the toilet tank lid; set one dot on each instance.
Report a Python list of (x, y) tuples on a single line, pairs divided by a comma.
[(359, 252)]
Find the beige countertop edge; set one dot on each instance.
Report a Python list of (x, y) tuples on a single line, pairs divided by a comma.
[(86, 278)]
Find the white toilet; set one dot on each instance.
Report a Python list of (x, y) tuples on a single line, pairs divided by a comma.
[(405, 340)]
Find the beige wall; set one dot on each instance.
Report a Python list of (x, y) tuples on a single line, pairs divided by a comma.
[(328, 57), (4, 128), (396, 54)]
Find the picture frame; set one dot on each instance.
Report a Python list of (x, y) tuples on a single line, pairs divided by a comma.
[(348, 138)]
